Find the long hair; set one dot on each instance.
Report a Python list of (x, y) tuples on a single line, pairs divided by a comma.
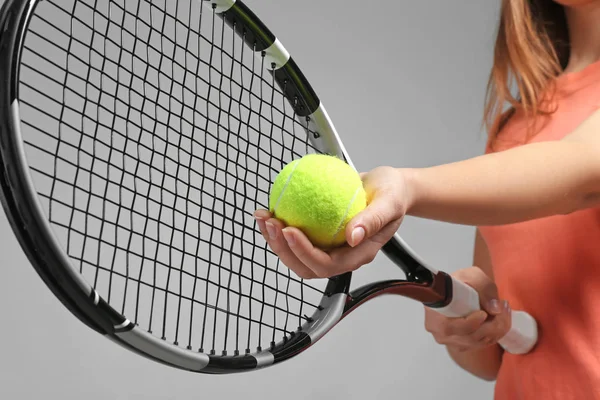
[(531, 50)]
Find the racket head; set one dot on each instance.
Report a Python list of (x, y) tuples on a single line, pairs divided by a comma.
[(42, 126)]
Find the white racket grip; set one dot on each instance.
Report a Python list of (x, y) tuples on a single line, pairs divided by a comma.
[(523, 333)]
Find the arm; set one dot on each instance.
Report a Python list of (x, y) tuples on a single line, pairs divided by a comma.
[(483, 363), (531, 181)]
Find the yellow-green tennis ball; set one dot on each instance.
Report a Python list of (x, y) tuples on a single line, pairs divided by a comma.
[(318, 194)]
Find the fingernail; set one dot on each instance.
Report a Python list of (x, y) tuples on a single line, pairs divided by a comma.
[(506, 306), (494, 305), (289, 237), (358, 234), (258, 217), (271, 230)]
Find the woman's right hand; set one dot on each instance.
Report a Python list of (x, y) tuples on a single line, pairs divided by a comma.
[(479, 329)]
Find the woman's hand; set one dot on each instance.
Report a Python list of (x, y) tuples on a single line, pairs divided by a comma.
[(479, 329), (387, 199)]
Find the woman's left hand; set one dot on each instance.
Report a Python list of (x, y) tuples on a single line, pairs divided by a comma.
[(366, 233)]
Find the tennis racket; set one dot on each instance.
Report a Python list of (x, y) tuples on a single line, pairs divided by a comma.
[(138, 138)]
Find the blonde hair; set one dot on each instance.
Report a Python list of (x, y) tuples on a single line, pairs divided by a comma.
[(531, 50)]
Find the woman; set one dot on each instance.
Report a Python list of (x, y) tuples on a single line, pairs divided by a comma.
[(534, 196)]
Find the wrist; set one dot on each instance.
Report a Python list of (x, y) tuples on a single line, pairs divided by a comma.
[(409, 180)]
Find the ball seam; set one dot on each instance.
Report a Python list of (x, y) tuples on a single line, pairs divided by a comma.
[(287, 182)]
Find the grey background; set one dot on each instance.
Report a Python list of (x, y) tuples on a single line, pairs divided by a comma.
[(404, 84)]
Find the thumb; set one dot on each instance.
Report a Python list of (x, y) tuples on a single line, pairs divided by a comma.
[(489, 300), (378, 214)]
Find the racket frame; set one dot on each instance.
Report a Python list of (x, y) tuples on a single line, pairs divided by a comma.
[(26, 216)]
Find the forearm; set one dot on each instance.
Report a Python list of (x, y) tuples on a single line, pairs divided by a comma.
[(526, 182), (483, 363)]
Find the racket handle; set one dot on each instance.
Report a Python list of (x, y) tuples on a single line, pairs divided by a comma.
[(523, 333)]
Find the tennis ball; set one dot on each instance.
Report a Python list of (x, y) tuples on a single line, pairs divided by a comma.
[(318, 194)]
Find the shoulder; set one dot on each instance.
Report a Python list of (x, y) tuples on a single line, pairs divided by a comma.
[(588, 131)]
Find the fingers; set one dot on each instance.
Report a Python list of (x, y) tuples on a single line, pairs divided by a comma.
[(486, 288), (494, 328), (342, 259), (476, 330), (349, 258), (293, 248), (380, 212), (311, 257), (271, 230), (279, 245), (297, 252), (488, 297), (321, 263), (444, 328), (262, 215), (465, 326)]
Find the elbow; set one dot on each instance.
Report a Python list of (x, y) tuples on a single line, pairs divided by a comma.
[(489, 377), (486, 374), (577, 199), (582, 202), (591, 199)]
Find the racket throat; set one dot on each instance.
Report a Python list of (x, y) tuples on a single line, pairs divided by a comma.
[(434, 293)]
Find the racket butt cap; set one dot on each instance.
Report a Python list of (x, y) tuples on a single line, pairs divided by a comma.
[(523, 334)]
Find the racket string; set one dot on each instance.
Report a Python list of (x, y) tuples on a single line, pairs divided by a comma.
[(153, 132)]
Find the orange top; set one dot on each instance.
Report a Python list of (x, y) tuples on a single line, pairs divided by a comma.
[(550, 267)]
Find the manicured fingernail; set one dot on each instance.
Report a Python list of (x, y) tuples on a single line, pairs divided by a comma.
[(494, 305), (289, 237), (258, 217), (272, 231), (358, 234)]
